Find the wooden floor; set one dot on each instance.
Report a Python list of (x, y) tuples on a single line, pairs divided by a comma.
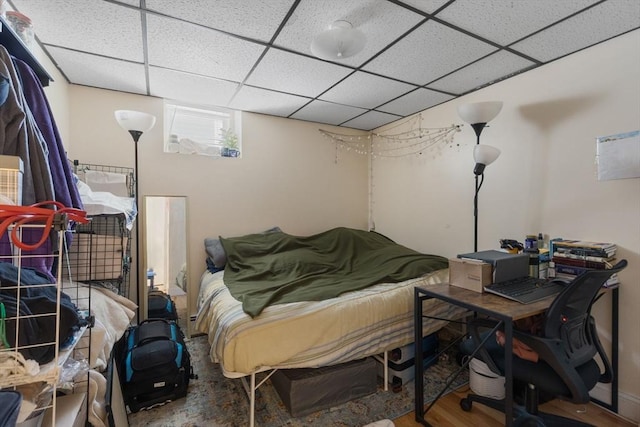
[(447, 413)]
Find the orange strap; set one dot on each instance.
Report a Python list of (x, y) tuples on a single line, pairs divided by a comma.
[(21, 215)]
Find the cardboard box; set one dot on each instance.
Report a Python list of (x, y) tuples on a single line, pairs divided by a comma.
[(71, 411), (96, 257), (469, 274), (11, 172)]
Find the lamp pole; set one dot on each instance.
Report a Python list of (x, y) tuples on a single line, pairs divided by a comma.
[(136, 136), (136, 123), (477, 127), (478, 115)]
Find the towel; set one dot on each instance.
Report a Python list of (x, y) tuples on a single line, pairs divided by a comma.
[(115, 183)]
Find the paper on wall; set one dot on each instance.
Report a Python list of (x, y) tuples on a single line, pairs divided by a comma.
[(618, 156)]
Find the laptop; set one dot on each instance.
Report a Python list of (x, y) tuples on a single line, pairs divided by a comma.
[(511, 278)]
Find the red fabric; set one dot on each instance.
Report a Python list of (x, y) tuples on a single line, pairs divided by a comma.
[(36, 213)]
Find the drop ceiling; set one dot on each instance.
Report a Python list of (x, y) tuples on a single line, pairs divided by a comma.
[(254, 55)]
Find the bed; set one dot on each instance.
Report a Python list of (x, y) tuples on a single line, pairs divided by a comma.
[(366, 321)]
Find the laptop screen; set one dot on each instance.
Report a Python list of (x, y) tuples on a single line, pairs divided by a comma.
[(506, 266)]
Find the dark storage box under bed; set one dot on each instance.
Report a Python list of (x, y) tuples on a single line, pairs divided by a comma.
[(308, 390)]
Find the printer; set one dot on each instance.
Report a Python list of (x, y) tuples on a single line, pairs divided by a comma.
[(506, 266)]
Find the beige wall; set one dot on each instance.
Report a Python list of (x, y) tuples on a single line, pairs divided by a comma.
[(57, 93), (544, 181), (287, 175)]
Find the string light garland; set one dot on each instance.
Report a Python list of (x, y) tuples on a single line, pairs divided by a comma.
[(395, 143)]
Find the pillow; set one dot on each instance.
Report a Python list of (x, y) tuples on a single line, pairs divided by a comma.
[(212, 268), (216, 253)]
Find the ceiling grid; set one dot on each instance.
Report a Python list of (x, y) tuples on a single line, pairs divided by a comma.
[(255, 55)]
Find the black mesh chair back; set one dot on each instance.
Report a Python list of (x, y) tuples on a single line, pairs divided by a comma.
[(568, 316)]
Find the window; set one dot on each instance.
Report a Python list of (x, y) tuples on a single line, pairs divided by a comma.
[(208, 131)]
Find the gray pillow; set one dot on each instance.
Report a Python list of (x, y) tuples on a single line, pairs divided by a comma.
[(216, 251)]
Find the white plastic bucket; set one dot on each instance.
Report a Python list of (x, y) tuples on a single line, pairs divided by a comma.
[(485, 382)]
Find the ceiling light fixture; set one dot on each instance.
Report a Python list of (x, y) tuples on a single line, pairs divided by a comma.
[(340, 41)]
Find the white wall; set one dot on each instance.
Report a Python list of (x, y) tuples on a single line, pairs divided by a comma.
[(544, 181)]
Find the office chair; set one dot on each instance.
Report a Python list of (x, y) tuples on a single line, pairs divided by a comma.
[(566, 368)]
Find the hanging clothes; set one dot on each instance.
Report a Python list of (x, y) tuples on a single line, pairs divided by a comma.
[(19, 136), (66, 191), (27, 130)]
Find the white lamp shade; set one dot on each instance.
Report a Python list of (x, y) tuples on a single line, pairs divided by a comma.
[(340, 41), (485, 154), (480, 112), (135, 120)]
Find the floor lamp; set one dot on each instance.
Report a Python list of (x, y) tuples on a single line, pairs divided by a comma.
[(478, 115), (136, 123)]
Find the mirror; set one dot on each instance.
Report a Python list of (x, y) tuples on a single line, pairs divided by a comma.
[(166, 251)]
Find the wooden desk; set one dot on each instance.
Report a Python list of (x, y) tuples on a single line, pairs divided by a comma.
[(501, 309), (505, 312)]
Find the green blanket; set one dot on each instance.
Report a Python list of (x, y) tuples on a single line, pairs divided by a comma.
[(275, 268)]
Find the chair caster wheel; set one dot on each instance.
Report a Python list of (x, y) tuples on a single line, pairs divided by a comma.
[(465, 404)]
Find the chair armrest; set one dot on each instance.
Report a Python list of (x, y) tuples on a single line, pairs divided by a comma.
[(607, 375)]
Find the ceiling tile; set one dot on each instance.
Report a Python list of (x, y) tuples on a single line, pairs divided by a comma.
[(296, 74), (506, 21), (190, 88), (267, 101), (428, 53), (327, 112), (488, 70), (413, 102), (97, 71), (357, 90), (228, 15), (216, 52), (105, 28), (192, 48), (599, 23), (381, 21), (428, 6), (371, 120)]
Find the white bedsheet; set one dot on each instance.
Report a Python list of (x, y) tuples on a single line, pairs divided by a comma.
[(312, 334), (113, 314)]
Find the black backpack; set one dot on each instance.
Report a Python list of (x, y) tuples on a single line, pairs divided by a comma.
[(155, 364)]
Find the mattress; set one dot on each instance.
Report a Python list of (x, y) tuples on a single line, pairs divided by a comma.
[(315, 333)]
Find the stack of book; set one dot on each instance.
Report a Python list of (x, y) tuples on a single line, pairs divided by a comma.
[(571, 258)]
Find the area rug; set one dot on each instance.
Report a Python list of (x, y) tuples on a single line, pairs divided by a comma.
[(214, 400)]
